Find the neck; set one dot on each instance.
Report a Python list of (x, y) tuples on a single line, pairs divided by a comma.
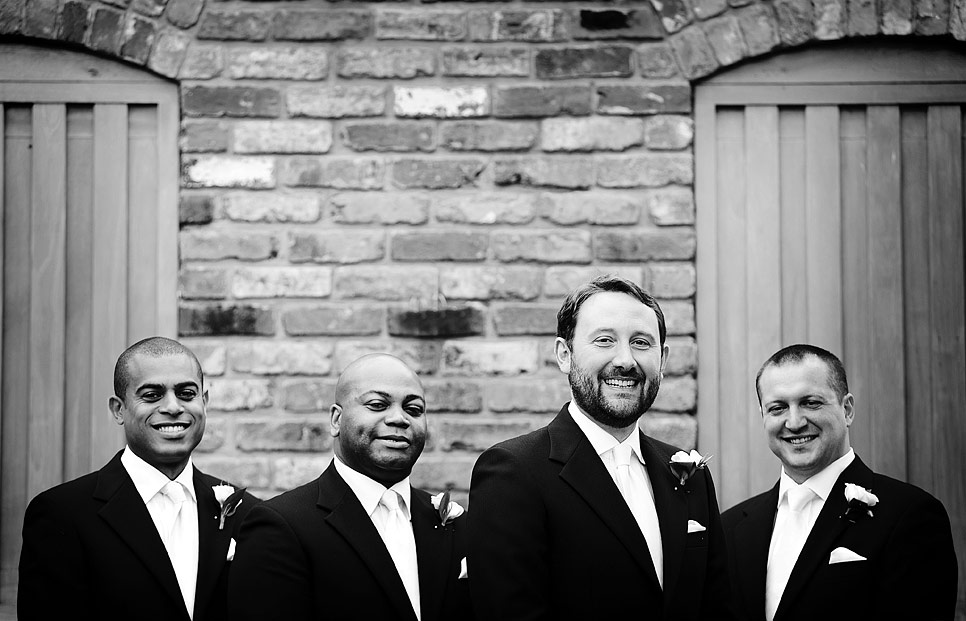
[(619, 433)]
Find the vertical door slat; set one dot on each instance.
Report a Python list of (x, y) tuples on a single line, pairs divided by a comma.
[(143, 222), (48, 265), (794, 286), (167, 171)]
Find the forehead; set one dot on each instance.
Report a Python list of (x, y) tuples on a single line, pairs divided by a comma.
[(795, 379), (167, 370), (388, 377), (611, 310)]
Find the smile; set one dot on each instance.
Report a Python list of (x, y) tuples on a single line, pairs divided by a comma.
[(171, 428), (615, 382), (799, 440), (396, 441)]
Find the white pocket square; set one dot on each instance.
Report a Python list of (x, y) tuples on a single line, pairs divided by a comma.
[(695, 526), (463, 573), (844, 555), (231, 550)]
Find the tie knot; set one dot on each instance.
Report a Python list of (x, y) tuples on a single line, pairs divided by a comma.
[(622, 455), (390, 500), (174, 491), (799, 496)]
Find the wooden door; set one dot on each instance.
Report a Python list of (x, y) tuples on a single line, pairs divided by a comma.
[(830, 211), (88, 185)]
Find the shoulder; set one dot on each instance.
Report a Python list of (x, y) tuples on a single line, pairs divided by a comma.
[(533, 444), (67, 493), (743, 509), (903, 499), (294, 500)]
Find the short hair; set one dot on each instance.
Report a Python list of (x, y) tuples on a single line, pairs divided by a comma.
[(796, 353), (154, 347), (567, 315)]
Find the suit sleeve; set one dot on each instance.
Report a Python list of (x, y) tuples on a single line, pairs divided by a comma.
[(53, 578), (507, 565), (717, 599), (270, 577)]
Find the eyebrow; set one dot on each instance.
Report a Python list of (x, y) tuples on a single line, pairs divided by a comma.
[(192, 384), (386, 395)]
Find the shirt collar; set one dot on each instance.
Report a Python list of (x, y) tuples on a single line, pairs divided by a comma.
[(148, 480), (600, 439), (820, 483), (368, 491)]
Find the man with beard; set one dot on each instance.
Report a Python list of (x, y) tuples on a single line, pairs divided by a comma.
[(586, 518)]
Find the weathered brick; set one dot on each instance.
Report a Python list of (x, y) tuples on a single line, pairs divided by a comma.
[(11, 16), (444, 245), (307, 396), (269, 207), (282, 137), (251, 473), (278, 63), (677, 394), (212, 355), (440, 474), (650, 171), (202, 62), (614, 23), (394, 283), (489, 357), (137, 39), (227, 171), (693, 53), (283, 436), (863, 18), (222, 320), (150, 8), (392, 136), (184, 13), (606, 208), (795, 19), (603, 61), (216, 430), (341, 320), (399, 63), (208, 244), (314, 25), (203, 283), (336, 101), (725, 38), (478, 435), (512, 101), (670, 280), (645, 244), (664, 132), (671, 206), (561, 172), (678, 430), (679, 315), (534, 395), (203, 136), (682, 356), (291, 472), (420, 25), (932, 17), (106, 28), (282, 357), (453, 396), (591, 134), (421, 356), (488, 136), (282, 282), (486, 208), (234, 101), (830, 19), (232, 395), (760, 28), (490, 283), (436, 174), (957, 19), (337, 246), (542, 246), (195, 209), (41, 18), (518, 25), (560, 281), (643, 98), (674, 14), (521, 319), (704, 9), (354, 173), (656, 60), (483, 62), (441, 101), (444, 322), (234, 25), (74, 21), (369, 208)]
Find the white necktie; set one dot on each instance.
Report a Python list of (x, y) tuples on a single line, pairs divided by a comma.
[(790, 536), (634, 489), (397, 533), (181, 542)]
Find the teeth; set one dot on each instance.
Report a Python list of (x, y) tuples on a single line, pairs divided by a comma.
[(619, 383), (172, 427), (800, 440)]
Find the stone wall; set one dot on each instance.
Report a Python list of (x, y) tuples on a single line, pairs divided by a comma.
[(431, 180)]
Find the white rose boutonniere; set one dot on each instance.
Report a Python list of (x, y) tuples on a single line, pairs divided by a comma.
[(447, 509), (683, 465), (228, 500), (860, 501)]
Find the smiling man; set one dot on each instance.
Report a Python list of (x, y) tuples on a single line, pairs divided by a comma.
[(139, 539), (833, 540), (584, 518), (359, 542)]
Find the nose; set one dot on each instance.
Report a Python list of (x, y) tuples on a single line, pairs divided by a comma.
[(796, 419), (623, 357), (396, 417), (170, 404)]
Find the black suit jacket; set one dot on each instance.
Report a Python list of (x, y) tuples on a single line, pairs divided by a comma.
[(552, 538), (910, 572), (314, 553), (91, 551)]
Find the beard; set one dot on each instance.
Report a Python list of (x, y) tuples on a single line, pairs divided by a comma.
[(587, 391)]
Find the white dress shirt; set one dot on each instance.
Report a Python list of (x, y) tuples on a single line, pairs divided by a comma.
[(640, 496), (183, 548), (369, 493)]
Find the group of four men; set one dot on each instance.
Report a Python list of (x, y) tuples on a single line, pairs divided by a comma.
[(585, 518)]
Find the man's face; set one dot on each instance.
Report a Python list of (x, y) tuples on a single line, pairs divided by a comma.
[(806, 423), (163, 412), (615, 361), (380, 424)]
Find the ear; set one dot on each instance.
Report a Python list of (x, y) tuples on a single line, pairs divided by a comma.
[(664, 356), (116, 405), (335, 419), (563, 354), (204, 398), (848, 403)]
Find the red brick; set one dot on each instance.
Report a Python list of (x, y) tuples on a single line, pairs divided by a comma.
[(336, 101), (453, 396), (830, 19), (393, 136), (560, 281), (234, 25), (337, 246), (150, 8), (682, 355), (233, 101), (677, 394), (422, 356), (478, 435), (273, 62), (195, 209), (400, 63), (227, 171), (282, 282), (139, 35), (281, 357), (235, 395), (604, 208), (650, 171), (522, 319), (704, 9), (671, 206), (11, 16), (795, 20), (527, 101), (339, 173), (760, 29), (533, 395), (370, 208), (203, 136), (679, 315), (274, 207), (282, 136), (485, 62), (897, 17), (665, 132), (671, 280), (106, 28), (674, 14), (488, 136), (340, 320), (725, 39), (307, 396), (542, 246), (645, 244), (203, 283), (439, 246), (41, 18), (202, 62), (583, 62), (655, 60), (276, 435), (436, 174), (444, 322), (694, 54), (218, 320), (591, 134), (313, 25), (615, 23), (444, 102), (420, 25), (394, 283), (557, 172), (496, 358), (490, 283), (184, 13), (482, 207), (643, 98), (74, 20), (534, 26)]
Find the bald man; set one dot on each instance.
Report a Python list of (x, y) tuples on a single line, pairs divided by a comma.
[(358, 542)]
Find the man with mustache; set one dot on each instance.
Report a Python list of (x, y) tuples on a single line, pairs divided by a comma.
[(585, 518), (359, 541)]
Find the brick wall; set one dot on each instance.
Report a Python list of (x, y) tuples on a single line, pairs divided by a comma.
[(431, 180)]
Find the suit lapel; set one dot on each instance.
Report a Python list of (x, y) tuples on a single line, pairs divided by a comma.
[(347, 517), (672, 511), (212, 543), (125, 512), (585, 473), (434, 551), (752, 538)]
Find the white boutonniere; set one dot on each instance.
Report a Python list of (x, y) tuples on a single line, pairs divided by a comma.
[(228, 500), (445, 508), (860, 501), (683, 465)]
